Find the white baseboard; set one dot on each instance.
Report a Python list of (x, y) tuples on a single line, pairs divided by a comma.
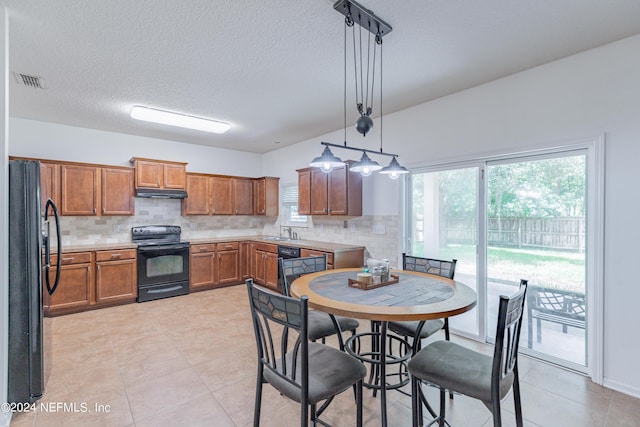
[(621, 387), (5, 418)]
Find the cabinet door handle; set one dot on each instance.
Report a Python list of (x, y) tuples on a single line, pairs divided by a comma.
[(103, 210), (203, 249), (236, 211), (98, 267), (67, 259), (228, 247), (94, 210), (116, 255)]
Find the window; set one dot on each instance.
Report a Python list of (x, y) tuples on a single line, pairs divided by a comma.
[(289, 203)]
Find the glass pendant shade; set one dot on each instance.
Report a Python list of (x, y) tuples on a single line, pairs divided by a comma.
[(394, 170), (365, 165), (326, 161)]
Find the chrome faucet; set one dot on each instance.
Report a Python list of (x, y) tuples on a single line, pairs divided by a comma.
[(288, 230)]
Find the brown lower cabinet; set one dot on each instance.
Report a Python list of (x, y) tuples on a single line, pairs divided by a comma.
[(265, 264), (95, 279), (116, 276), (90, 280), (214, 265), (228, 263), (202, 267), (74, 288)]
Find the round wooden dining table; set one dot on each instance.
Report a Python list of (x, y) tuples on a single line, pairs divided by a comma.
[(416, 296)]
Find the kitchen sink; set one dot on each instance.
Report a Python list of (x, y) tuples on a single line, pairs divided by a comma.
[(278, 239)]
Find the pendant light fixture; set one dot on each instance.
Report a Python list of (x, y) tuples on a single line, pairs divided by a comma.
[(394, 170), (326, 161), (365, 165), (365, 74)]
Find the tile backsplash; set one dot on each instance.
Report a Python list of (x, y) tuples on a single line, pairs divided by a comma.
[(90, 230), (378, 234)]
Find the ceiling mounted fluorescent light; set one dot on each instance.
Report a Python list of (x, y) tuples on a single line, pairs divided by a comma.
[(180, 120)]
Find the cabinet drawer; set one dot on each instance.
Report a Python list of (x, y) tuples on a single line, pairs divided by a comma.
[(72, 258), (228, 246), (266, 247), (205, 247), (309, 252), (114, 255)]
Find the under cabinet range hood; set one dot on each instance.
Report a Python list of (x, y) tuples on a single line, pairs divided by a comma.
[(161, 193)]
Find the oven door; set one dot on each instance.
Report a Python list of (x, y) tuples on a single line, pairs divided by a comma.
[(163, 264)]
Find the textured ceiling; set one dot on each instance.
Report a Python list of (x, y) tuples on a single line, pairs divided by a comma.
[(274, 69)]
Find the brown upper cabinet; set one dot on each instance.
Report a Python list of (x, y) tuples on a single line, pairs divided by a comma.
[(199, 191), (80, 187), (117, 191), (336, 193), (242, 196), (49, 184), (90, 190), (159, 174), (228, 195), (304, 192), (265, 196), (222, 195)]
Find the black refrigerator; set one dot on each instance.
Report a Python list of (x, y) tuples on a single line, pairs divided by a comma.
[(28, 247)]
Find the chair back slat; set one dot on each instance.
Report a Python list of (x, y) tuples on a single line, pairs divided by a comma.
[(279, 320), (292, 268), (505, 355), (439, 267)]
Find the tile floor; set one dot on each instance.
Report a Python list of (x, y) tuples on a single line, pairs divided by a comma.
[(190, 361)]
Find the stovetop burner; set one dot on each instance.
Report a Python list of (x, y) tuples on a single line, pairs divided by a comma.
[(155, 235)]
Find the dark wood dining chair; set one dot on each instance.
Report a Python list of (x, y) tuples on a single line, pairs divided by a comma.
[(320, 323), (306, 372), (453, 367)]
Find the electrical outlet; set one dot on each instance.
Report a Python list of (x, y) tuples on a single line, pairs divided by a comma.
[(379, 229), (352, 228), (116, 228)]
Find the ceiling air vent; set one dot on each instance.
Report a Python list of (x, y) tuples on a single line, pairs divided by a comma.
[(30, 81)]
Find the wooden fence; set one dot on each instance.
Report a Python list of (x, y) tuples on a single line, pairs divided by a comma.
[(549, 233)]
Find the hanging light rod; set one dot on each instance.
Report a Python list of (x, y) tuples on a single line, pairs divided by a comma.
[(363, 17), (346, 147)]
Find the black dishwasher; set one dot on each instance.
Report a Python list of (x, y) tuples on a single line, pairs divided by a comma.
[(285, 252)]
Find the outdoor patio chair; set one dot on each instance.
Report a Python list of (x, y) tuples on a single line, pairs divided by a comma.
[(306, 372), (451, 366)]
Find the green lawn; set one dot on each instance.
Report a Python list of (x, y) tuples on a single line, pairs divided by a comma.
[(564, 270)]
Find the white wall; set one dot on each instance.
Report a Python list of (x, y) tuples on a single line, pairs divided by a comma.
[(580, 96), (31, 138), (4, 221)]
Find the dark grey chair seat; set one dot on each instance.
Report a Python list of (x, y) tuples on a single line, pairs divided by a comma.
[(306, 372), (457, 368), (450, 366), (321, 325), (409, 329), (331, 372)]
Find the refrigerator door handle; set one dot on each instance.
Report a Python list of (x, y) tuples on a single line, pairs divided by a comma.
[(47, 251)]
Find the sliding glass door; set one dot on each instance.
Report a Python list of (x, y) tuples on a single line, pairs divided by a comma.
[(505, 220), (443, 221), (536, 213)]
